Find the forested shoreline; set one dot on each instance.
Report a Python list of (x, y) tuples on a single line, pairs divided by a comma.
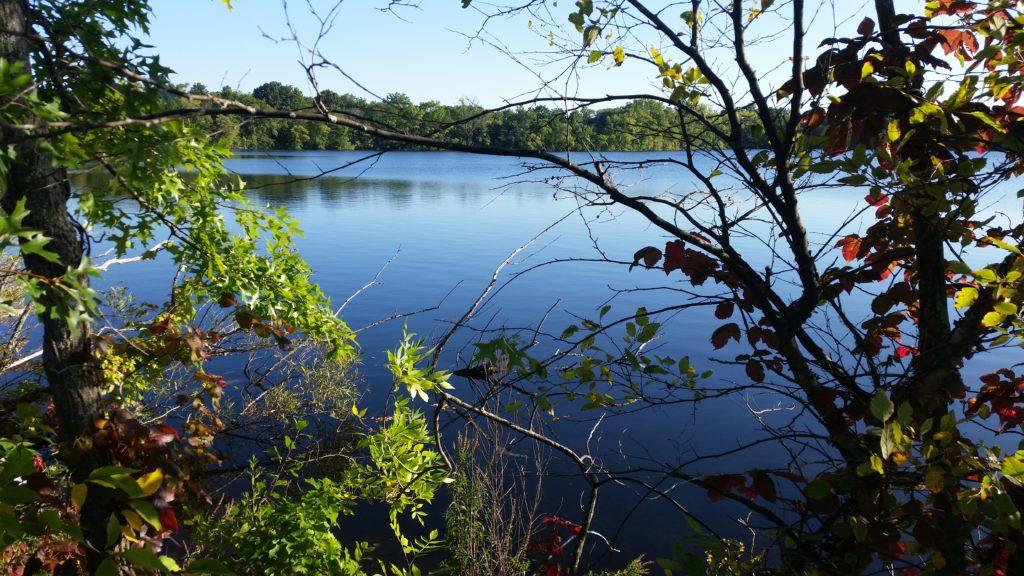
[(639, 125)]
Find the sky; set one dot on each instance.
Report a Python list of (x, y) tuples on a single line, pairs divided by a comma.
[(424, 52)]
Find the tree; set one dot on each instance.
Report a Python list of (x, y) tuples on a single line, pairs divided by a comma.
[(65, 62), (895, 477)]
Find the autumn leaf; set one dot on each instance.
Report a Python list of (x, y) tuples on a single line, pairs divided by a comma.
[(763, 485), (649, 254), (78, 494), (675, 256), (151, 482), (866, 27), (721, 336), (724, 310), (755, 370), (851, 247)]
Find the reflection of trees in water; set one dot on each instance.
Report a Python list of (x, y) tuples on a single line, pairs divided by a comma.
[(333, 191), (397, 193)]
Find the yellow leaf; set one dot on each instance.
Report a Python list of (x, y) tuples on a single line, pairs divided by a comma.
[(894, 131), (619, 55), (78, 492), (867, 69), (934, 480), (134, 520), (150, 483), (992, 319), (965, 297)]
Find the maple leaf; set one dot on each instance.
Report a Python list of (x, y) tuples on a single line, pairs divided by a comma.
[(675, 256)]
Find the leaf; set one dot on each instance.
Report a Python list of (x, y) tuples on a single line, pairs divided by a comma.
[(965, 297), (850, 247), (78, 493), (721, 336), (818, 490), (146, 511), (893, 131), (724, 310), (151, 482), (763, 485), (1013, 467), (866, 27), (992, 319), (881, 406), (877, 464), (208, 566), (755, 370), (107, 568), (649, 254), (934, 480), (619, 55), (144, 558), (594, 56)]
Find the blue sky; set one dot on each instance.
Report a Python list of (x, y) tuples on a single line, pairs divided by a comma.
[(423, 55), (422, 52)]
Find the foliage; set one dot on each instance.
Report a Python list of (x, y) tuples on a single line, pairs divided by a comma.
[(641, 125), (286, 523)]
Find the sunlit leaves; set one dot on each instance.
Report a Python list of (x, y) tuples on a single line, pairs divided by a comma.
[(417, 380)]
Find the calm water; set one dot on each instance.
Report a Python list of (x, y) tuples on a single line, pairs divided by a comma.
[(447, 220)]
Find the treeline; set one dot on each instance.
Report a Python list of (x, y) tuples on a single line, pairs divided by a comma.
[(634, 126)]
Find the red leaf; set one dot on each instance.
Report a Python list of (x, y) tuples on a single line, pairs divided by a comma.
[(876, 199), (904, 351), (675, 256), (168, 521), (958, 41), (723, 484), (851, 246), (763, 485), (813, 118), (721, 336), (954, 7), (866, 27), (723, 310), (755, 370)]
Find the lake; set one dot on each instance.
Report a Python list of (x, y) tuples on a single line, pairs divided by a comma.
[(445, 221)]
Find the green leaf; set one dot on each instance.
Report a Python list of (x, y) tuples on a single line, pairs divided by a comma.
[(1013, 467), (208, 566), (818, 490), (881, 406), (965, 297), (144, 558), (146, 511), (107, 568), (594, 56)]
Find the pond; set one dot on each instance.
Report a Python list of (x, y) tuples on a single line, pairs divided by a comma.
[(443, 222)]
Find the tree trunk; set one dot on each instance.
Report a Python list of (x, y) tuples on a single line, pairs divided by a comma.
[(74, 383)]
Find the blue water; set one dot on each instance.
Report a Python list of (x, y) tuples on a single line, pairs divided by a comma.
[(446, 220)]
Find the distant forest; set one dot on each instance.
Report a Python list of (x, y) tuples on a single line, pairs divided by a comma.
[(634, 126)]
